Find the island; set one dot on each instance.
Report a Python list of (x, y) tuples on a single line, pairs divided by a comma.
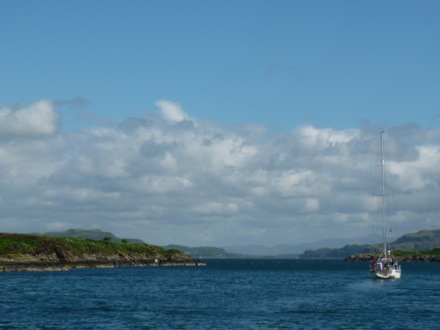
[(421, 246), (403, 256), (32, 252)]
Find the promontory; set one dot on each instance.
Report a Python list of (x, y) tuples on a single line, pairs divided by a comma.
[(29, 252)]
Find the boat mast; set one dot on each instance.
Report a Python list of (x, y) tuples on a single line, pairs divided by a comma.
[(382, 167)]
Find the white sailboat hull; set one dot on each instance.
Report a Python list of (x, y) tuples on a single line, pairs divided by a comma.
[(388, 274)]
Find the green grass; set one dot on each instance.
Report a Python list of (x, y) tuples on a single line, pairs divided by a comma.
[(15, 244), (408, 254)]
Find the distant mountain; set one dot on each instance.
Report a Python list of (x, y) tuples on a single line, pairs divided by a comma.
[(264, 251), (95, 234), (419, 241), (347, 250), (194, 252), (293, 249), (204, 251)]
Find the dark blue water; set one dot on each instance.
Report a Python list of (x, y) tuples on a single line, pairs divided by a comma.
[(227, 294)]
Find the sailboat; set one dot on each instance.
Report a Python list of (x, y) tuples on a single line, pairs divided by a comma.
[(384, 266)]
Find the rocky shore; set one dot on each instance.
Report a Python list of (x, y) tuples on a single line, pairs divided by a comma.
[(412, 258), (54, 263)]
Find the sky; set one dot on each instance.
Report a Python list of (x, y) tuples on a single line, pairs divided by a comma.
[(218, 122)]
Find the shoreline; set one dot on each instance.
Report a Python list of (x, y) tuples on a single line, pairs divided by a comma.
[(414, 258), (12, 266)]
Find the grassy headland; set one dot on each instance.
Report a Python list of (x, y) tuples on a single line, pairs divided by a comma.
[(33, 252)]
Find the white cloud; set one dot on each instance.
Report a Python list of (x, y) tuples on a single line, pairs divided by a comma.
[(319, 139), (165, 179), (39, 119), (171, 111), (421, 172)]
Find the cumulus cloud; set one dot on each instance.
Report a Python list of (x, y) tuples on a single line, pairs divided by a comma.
[(171, 111), (39, 119), (169, 179)]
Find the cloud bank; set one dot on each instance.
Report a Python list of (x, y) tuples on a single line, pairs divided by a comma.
[(39, 119), (168, 178)]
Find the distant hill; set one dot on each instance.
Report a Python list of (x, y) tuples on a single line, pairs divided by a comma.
[(204, 251), (419, 241), (95, 234), (266, 251), (294, 249), (324, 253)]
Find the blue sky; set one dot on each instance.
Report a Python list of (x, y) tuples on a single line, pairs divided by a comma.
[(281, 64), (243, 77)]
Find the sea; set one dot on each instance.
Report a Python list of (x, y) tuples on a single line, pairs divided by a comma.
[(226, 294)]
